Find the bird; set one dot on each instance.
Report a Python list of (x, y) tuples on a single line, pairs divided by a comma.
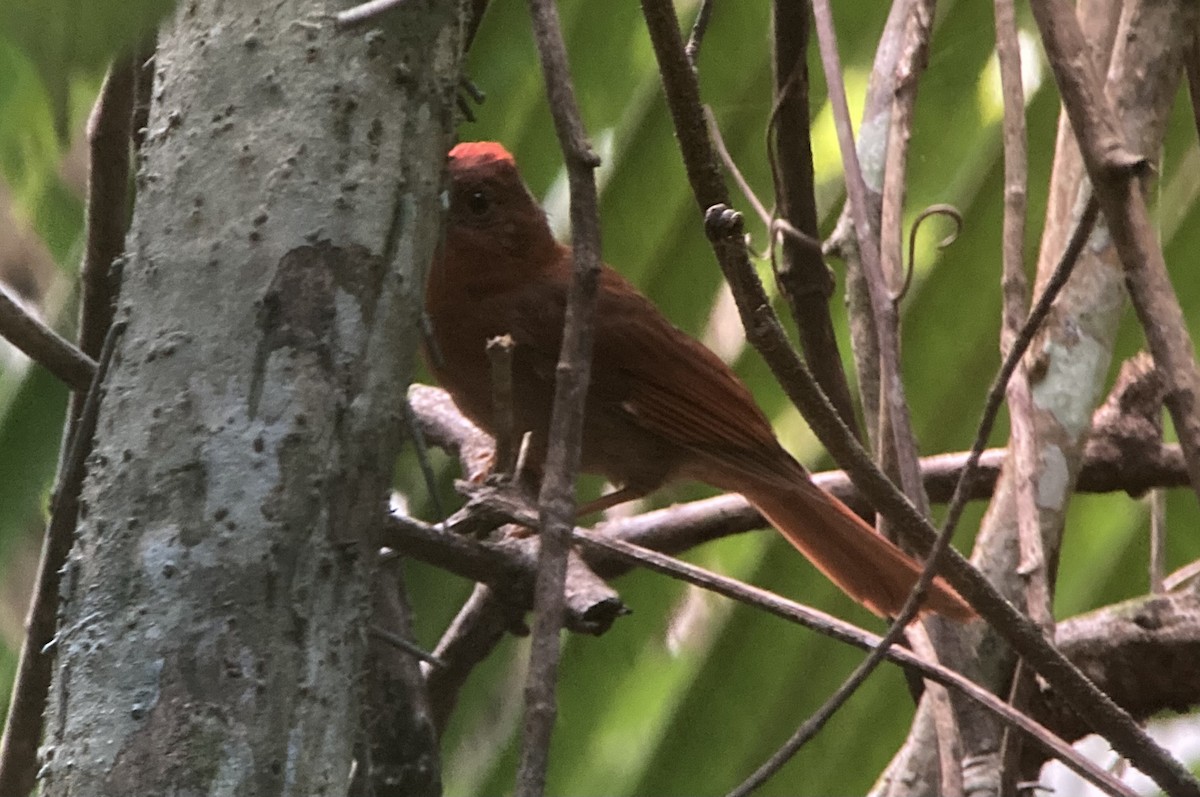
[(660, 406)]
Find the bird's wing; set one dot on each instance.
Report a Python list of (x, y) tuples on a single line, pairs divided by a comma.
[(670, 383), (664, 380)]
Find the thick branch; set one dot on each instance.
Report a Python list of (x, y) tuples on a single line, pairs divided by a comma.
[(1115, 173)]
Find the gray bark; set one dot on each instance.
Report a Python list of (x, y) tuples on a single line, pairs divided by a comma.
[(214, 630)]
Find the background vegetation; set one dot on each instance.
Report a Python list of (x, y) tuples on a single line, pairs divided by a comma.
[(688, 694)]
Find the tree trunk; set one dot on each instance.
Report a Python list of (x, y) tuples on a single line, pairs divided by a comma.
[(215, 624)]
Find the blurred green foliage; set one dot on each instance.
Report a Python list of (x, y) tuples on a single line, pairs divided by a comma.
[(688, 694)]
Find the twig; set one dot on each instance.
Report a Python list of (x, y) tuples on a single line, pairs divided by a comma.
[(816, 721), (477, 629), (1020, 345), (591, 606), (43, 345), (699, 28), (556, 500), (875, 123), (714, 131), (509, 568), (1014, 285), (844, 632), (500, 355), (23, 729), (936, 209), (683, 101), (406, 645), (884, 369), (895, 442), (775, 226)]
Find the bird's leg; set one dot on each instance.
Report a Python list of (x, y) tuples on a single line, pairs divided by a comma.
[(608, 500)]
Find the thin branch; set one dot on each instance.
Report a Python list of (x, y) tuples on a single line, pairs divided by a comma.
[(1023, 435), (43, 345), (402, 530), (23, 729), (842, 242), (405, 645), (897, 451), (845, 632), (954, 512), (764, 332), (800, 270), (416, 435), (699, 28), (477, 629), (946, 725), (591, 606), (1019, 346), (816, 721), (396, 713), (109, 132), (1015, 288), (556, 500), (714, 131)]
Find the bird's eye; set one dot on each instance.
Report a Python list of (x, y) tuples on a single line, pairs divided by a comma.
[(478, 202)]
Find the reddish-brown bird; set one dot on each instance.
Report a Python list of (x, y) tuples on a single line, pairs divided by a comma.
[(661, 407)]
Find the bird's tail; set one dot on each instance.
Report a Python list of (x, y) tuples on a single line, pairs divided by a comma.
[(866, 565)]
